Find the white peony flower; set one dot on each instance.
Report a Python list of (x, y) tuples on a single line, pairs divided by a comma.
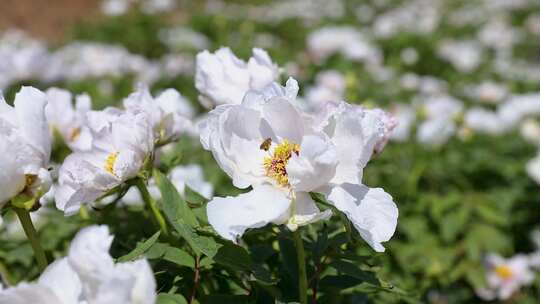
[(347, 41), (25, 145), (222, 78), (518, 107), (441, 113), (169, 112), (283, 154), (69, 121), (530, 131), (505, 276), (329, 87), (484, 121), (122, 143), (465, 56), (88, 275), (488, 92)]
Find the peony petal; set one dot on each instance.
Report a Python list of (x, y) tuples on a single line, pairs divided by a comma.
[(30, 108), (144, 288), (355, 132), (371, 210), (89, 257), (232, 216), (314, 166), (283, 119), (25, 293), (60, 278)]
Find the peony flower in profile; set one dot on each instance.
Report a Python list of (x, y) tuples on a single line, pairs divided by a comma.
[(169, 113), (122, 143), (67, 120), (267, 143), (222, 78), (25, 145), (88, 275), (505, 276)]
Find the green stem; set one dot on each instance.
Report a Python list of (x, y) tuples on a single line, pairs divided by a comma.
[(149, 200), (302, 276), (31, 234)]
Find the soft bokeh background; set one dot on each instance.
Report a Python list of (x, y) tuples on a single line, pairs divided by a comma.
[(465, 187)]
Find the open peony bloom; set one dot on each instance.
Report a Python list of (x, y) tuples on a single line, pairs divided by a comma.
[(281, 152), (222, 78), (169, 113), (25, 146), (88, 275), (122, 143), (505, 276), (69, 121)]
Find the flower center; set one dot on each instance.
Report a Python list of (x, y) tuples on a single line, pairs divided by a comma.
[(110, 161), (75, 134), (504, 272), (275, 164), (30, 179)]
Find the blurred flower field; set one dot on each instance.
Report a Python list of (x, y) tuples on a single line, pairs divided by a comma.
[(288, 151)]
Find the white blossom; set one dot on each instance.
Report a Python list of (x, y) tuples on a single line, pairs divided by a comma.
[(122, 143), (88, 275), (267, 143), (68, 120), (25, 146), (505, 276), (222, 78), (347, 41), (169, 112)]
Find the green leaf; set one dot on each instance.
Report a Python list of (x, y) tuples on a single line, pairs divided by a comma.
[(233, 256), (167, 298), (174, 205), (227, 299), (171, 254), (193, 197), (140, 249), (287, 252), (488, 213), (339, 281), (263, 275), (355, 272), (179, 256), (182, 218), (321, 245)]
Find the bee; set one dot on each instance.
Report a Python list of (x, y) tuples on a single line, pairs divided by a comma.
[(266, 144)]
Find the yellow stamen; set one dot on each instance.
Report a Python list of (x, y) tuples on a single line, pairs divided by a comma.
[(504, 272), (275, 164), (110, 161), (30, 179), (75, 134)]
